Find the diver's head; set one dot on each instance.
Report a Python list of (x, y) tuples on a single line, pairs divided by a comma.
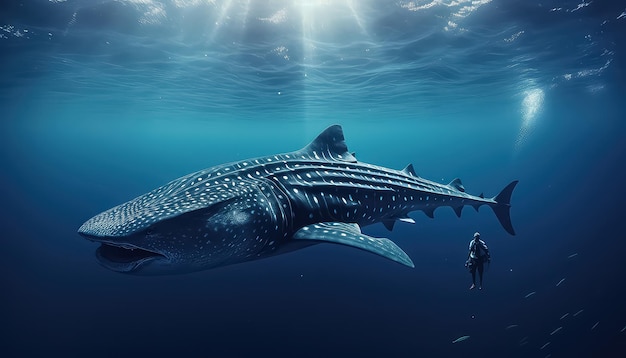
[(477, 235)]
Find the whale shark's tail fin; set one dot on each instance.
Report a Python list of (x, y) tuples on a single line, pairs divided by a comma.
[(502, 207)]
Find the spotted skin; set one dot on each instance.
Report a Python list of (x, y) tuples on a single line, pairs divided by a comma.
[(260, 207)]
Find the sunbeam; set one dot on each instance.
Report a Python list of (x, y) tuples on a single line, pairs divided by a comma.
[(531, 107), (357, 18), (220, 19), (246, 10)]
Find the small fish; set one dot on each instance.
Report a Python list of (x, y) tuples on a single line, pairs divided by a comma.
[(623, 330), (563, 316), (556, 331), (560, 282), (572, 256), (595, 325), (460, 339), (545, 345), (511, 326), (530, 294), (577, 313)]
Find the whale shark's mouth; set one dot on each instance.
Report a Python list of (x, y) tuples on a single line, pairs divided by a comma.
[(124, 257)]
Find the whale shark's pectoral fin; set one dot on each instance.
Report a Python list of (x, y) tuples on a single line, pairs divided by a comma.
[(351, 235)]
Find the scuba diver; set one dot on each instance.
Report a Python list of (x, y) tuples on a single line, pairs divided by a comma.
[(478, 254)]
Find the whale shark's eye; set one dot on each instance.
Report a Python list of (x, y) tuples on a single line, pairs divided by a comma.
[(149, 232)]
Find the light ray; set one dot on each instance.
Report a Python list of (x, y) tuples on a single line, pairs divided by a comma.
[(531, 107), (246, 10), (220, 18), (358, 20)]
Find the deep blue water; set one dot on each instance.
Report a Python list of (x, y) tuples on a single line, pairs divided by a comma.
[(101, 101)]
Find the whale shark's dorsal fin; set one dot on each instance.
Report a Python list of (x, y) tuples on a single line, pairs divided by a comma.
[(330, 142), (409, 170), (456, 184)]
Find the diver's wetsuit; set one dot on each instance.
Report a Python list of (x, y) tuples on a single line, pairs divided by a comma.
[(478, 254)]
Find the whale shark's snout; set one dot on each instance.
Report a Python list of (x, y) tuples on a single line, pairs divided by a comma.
[(120, 252), (146, 236)]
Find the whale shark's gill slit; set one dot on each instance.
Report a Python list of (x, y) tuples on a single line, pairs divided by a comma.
[(120, 254)]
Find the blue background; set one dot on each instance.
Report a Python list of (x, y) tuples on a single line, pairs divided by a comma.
[(103, 101)]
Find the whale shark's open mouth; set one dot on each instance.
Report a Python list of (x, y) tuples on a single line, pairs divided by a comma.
[(124, 257), (124, 253)]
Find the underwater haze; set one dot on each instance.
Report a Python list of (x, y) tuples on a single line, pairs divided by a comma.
[(102, 101)]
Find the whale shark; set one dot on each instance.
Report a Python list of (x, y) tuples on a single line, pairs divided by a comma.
[(266, 206)]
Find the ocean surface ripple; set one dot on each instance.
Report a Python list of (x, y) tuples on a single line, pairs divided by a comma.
[(290, 57)]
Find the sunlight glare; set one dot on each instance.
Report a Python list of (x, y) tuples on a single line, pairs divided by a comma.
[(531, 107)]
